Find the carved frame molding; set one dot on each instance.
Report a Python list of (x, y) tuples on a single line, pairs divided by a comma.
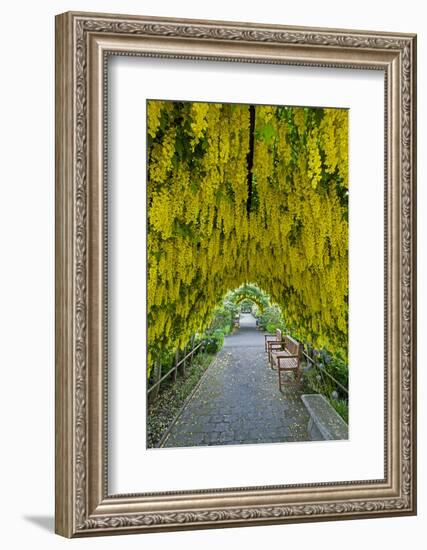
[(83, 43)]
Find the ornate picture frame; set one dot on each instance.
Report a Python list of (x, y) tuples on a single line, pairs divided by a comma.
[(84, 506)]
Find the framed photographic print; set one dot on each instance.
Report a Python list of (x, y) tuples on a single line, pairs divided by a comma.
[(235, 274)]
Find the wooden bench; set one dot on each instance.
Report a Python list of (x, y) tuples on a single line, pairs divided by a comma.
[(285, 356), (272, 338), (325, 423)]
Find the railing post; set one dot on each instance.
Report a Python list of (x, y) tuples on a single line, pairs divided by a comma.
[(192, 354), (175, 372), (183, 363), (157, 375)]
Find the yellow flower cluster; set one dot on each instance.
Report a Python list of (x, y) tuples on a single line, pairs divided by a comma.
[(204, 239), (314, 171), (161, 158), (199, 122), (154, 110), (334, 141)]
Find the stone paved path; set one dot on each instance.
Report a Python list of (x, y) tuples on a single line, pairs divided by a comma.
[(238, 400)]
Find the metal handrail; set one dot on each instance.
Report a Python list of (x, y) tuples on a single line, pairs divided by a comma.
[(325, 372), (175, 367)]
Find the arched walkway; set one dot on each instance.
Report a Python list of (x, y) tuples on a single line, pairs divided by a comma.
[(238, 400)]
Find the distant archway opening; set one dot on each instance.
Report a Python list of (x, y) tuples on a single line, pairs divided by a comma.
[(250, 293)]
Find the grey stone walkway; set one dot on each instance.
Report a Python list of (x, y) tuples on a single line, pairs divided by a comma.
[(238, 400)]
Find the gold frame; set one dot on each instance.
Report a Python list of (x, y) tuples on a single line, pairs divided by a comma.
[(83, 43)]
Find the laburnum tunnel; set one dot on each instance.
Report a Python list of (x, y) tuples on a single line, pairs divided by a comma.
[(246, 193)]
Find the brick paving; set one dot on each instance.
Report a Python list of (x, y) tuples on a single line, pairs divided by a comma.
[(238, 400)]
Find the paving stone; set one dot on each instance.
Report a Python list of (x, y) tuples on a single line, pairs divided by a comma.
[(226, 436), (213, 437)]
